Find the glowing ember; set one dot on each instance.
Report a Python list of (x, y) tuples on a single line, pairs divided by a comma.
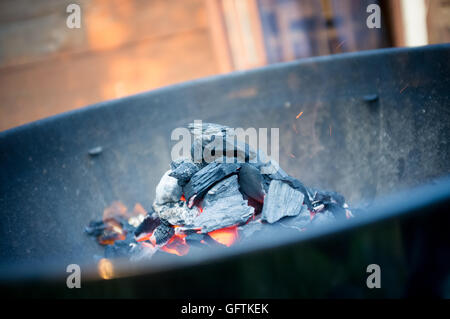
[(176, 245), (298, 115), (113, 231), (226, 236), (233, 199)]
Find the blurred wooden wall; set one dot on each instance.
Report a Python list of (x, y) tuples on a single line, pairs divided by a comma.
[(130, 46), (123, 47)]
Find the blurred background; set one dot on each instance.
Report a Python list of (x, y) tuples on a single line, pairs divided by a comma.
[(125, 47)]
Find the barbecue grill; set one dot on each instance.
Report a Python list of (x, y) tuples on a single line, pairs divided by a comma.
[(375, 127)]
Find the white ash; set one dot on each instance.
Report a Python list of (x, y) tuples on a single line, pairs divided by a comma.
[(168, 190), (168, 205), (176, 213)]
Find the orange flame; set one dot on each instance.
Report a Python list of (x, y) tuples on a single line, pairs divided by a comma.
[(139, 210), (116, 209), (226, 236)]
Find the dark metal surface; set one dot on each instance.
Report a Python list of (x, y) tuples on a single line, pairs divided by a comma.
[(365, 148)]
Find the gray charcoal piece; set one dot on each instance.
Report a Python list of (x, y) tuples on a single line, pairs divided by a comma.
[(206, 177), (229, 147), (281, 200), (226, 188), (294, 183), (174, 164), (184, 171), (204, 134), (251, 182), (223, 206)]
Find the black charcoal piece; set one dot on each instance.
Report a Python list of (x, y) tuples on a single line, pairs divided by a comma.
[(184, 171), (229, 147), (147, 226), (328, 197), (163, 233), (223, 206), (251, 182), (206, 177), (281, 200)]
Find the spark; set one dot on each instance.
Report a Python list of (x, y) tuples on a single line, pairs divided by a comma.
[(404, 88), (299, 114)]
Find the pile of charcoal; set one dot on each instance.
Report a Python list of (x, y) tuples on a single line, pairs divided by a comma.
[(218, 203)]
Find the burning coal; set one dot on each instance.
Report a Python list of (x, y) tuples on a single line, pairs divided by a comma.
[(217, 203)]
